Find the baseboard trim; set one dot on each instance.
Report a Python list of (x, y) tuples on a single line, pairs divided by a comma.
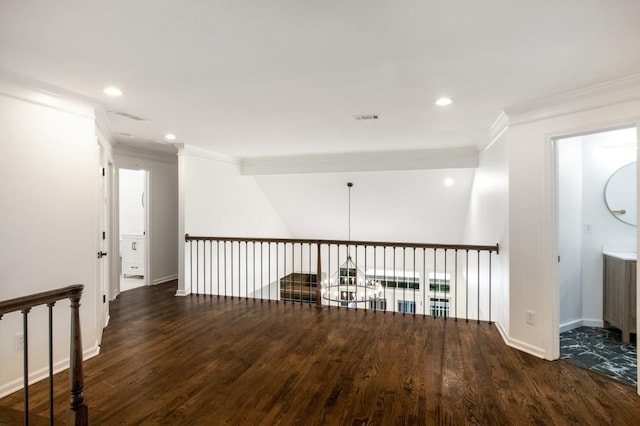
[(570, 325), (503, 333), (579, 323), (43, 373), (519, 345), (181, 293), (592, 323), (164, 279)]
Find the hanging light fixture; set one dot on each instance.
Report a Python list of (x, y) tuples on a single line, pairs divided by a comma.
[(349, 286)]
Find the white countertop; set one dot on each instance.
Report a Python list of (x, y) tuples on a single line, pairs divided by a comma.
[(621, 255)]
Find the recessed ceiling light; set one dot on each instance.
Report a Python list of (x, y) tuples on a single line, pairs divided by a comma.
[(444, 101), (448, 182), (170, 137), (112, 91)]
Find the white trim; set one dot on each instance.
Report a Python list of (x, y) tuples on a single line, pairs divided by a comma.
[(148, 225), (637, 241), (570, 325), (496, 130), (517, 344), (43, 373), (164, 279), (192, 151), (550, 247), (580, 323), (182, 279), (24, 88), (592, 323), (127, 151), (450, 158), (181, 293), (598, 95), (103, 125)]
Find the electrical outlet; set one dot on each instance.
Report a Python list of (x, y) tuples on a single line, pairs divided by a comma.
[(531, 317), (588, 228), (19, 342)]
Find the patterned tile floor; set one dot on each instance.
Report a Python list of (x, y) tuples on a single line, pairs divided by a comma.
[(601, 350)]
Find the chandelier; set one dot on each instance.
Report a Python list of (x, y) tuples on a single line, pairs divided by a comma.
[(349, 287)]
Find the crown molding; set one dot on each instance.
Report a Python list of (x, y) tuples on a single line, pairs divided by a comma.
[(103, 124), (607, 93), (497, 129), (454, 158), (192, 151), (27, 89), (145, 154)]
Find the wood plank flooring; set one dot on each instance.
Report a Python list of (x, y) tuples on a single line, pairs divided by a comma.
[(209, 361)]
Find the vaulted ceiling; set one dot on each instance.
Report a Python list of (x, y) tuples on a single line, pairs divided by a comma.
[(286, 77)]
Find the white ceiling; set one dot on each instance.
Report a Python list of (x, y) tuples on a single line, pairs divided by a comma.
[(266, 78)]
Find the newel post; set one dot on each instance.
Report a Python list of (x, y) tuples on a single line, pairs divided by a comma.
[(78, 413), (319, 280)]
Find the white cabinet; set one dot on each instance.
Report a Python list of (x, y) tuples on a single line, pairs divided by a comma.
[(132, 255)]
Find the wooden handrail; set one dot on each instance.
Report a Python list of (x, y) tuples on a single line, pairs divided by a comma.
[(78, 412), (495, 248), (25, 302)]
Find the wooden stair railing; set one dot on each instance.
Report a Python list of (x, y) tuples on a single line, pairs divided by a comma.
[(77, 414)]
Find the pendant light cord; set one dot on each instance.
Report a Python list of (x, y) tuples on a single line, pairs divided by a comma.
[(349, 185)]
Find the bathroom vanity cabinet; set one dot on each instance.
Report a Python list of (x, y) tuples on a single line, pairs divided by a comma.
[(619, 293), (133, 255)]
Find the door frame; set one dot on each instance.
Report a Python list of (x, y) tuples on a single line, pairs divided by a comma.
[(551, 214), (104, 232), (147, 221)]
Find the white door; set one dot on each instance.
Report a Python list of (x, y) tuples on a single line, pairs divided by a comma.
[(103, 239)]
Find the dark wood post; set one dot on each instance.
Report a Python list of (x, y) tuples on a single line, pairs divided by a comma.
[(319, 280), (78, 413)]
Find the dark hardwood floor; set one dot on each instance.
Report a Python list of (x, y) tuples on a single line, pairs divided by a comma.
[(203, 360)]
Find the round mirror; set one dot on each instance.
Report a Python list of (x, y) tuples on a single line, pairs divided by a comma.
[(620, 194)]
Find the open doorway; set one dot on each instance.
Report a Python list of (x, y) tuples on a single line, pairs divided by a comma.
[(133, 204), (597, 242)]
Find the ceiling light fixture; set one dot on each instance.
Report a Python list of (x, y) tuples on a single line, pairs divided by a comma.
[(349, 286), (444, 101), (112, 91), (448, 182), (170, 137)]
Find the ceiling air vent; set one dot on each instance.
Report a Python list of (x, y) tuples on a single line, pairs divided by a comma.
[(127, 115), (366, 117)]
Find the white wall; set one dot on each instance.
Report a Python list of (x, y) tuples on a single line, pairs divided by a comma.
[(163, 209), (216, 200), (570, 231), (132, 188), (48, 220), (487, 221), (532, 206), (395, 206)]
